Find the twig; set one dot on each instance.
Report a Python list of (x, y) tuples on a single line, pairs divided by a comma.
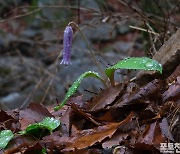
[(139, 13), (42, 7), (145, 30), (21, 15)]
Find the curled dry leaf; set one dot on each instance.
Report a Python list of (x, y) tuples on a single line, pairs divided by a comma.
[(151, 91)]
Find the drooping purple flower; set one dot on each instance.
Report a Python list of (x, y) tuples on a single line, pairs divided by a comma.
[(67, 43)]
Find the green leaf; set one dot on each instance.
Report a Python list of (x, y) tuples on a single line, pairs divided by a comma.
[(75, 86), (44, 151), (5, 137), (141, 63), (48, 123)]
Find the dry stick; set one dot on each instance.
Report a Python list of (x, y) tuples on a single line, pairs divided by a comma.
[(175, 113), (61, 6), (139, 13), (26, 101), (21, 15), (144, 30), (92, 55), (47, 90), (79, 12), (153, 41), (40, 8), (51, 81)]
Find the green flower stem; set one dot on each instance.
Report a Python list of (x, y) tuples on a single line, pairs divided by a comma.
[(106, 81)]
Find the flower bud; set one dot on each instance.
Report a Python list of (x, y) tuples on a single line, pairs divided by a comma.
[(67, 43)]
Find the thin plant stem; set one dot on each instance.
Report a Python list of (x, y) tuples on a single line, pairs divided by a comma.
[(106, 81)]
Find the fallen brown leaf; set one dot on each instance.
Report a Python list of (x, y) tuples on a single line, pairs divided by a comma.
[(89, 137), (34, 113), (20, 142), (151, 91), (104, 98), (151, 137)]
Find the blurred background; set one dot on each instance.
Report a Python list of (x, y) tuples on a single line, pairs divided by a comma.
[(31, 39)]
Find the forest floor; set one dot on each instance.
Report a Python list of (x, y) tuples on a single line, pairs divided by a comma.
[(139, 114)]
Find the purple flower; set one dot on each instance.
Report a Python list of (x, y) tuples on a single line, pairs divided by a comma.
[(67, 43)]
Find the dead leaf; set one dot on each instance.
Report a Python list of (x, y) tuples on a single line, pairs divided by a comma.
[(89, 137), (151, 137), (87, 116), (66, 121), (83, 139), (174, 75), (151, 91), (37, 148), (20, 142), (116, 139), (9, 120), (34, 113), (106, 117), (173, 93), (104, 98), (77, 101), (165, 129), (4, 116)]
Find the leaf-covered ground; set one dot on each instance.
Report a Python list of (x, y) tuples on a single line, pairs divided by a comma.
[(131, 117)]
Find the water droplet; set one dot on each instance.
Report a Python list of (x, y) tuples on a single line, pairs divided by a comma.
[(148, 64), (144, 61)]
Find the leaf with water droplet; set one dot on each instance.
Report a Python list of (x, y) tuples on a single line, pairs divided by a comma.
[(5, 137), (75, 86), (141, 63), (48, 123)]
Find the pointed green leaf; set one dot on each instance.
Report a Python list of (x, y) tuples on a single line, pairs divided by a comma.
[(75, 86), (48, 123), (141, 63), (5, 137)]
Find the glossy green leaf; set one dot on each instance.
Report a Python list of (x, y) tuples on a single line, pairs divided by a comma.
[(75, 86), (5, 137), (48, 123), (141, 63)]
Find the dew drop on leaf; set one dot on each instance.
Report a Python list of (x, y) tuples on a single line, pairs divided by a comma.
[(149, 64)]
